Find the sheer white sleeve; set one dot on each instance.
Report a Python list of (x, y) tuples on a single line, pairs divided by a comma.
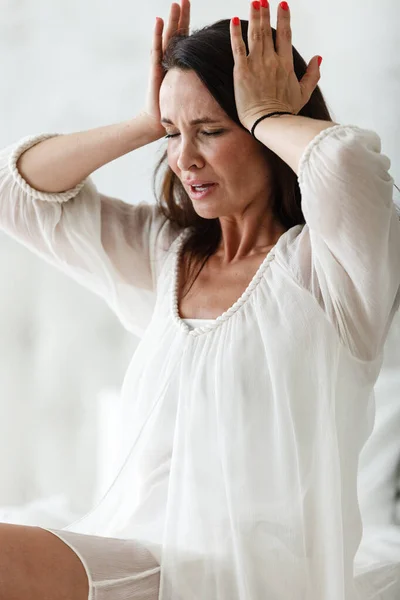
[(112, 248), (348, 253)]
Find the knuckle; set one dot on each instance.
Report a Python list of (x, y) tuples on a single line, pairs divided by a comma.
[(287, 34), (240, 50), (257, 36), (272, 62), (287, 64)]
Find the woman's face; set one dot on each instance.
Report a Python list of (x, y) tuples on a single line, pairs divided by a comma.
[(218, 152)]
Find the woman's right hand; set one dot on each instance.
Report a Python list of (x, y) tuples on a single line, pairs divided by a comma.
[(179, 20)]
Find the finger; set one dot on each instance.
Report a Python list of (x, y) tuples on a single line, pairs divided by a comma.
[(157, 49), (238, 45), (255, 35), (184, 23), (266, 28), (310, 79), (284, 34), (173, 23)]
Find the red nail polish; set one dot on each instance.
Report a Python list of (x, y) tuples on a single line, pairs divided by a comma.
[(284, 5), (264, 3), (236, 21), (319, 60), (256, 5)]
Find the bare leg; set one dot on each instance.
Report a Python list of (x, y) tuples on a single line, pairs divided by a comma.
[(37, 565)]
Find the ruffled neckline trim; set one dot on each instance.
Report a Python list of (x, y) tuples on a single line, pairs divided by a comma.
[(240, 302)]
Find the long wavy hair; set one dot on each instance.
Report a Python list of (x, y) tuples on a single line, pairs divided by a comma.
[(208, 53)]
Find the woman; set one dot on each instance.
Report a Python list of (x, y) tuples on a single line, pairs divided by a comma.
[(249, 397)]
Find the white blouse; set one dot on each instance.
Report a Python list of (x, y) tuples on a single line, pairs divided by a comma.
[(243, 434), (193, 323)]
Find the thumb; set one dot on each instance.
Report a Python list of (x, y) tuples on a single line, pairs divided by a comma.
[(311, 78)]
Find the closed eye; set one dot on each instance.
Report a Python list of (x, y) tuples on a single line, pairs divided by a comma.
[(208, 133)]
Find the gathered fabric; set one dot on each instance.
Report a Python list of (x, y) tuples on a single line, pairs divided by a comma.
[(242, 436)]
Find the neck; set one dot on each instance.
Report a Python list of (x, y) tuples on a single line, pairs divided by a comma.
[(242, 238)]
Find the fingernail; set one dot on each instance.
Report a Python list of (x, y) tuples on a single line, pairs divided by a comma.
[(264, 3), (319, 60), (284, 5), (256, 5), (236, 21)]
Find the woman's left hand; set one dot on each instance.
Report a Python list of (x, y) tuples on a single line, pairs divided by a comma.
[(265, 80)]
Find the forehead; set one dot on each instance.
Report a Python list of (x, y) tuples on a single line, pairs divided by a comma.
[(184, 96)]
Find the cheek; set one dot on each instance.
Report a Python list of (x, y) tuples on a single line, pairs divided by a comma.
[(230, 160), (222, 155)]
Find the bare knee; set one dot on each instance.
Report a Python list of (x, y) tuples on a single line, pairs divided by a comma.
[(35, 564)]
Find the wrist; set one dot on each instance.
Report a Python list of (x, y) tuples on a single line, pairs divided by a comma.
[(250, 120), (150, 127), (268, 116)]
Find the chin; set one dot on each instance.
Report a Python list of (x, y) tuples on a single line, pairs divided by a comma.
[(209, 209), (207, 213)]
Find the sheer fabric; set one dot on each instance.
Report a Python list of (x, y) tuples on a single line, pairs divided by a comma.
[(112, 248), (123, 569), (242, 435)]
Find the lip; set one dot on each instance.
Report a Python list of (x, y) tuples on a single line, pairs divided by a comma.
[(200, 195), (197, 182)]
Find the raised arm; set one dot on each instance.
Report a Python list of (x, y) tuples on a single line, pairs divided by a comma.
[(348, 253), (108, 246), (49, 203), (61, 162)]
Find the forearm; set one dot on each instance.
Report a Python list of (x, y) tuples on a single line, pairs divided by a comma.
[(289, 135), (60, 163)]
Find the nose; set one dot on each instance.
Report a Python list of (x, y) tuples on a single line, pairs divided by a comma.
[(188, 156)]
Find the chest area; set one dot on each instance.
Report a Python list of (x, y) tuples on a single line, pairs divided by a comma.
[(216, 288)]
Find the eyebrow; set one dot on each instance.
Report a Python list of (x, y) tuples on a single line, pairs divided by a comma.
[(194, 121)]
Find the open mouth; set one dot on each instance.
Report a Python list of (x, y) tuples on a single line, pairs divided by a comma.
[(200, 191)]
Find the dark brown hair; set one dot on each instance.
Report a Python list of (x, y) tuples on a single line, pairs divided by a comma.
[(208, 52)]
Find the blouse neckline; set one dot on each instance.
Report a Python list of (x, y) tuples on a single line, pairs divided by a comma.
[(202, 329)]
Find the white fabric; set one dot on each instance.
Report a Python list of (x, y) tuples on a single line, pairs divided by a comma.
[(243, 435), (115, 569), (193, 323), (380, 456), (380, 461)]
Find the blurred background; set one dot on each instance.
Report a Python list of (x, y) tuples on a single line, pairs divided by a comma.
[(72, 66)]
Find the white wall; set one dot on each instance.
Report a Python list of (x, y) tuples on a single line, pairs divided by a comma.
[(69, 66)]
